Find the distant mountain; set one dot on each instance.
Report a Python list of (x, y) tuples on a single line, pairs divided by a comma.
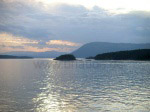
[(141, 54), (94, 48), (14, 57), (49, 54)]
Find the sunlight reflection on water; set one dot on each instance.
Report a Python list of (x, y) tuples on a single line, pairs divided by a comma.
[(75, 86)]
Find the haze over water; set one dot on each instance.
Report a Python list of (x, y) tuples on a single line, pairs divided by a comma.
[(45, 85)]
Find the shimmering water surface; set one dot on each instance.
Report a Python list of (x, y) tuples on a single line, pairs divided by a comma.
[(45, 85)]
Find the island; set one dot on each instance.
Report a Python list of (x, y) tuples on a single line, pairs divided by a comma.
[(66, 57), (140, 54), (14, 57)]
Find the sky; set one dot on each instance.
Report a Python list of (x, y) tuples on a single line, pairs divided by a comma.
[(65, 25)]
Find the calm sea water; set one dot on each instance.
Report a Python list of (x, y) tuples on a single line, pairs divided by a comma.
[(45, 85)]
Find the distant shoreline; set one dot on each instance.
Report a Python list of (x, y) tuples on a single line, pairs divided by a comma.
[(135, 55), (14, 57)]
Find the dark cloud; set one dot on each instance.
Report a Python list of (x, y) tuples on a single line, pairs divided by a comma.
[(72, 23)]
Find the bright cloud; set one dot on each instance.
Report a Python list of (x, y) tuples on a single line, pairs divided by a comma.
[(116, 6), (111, 5), (44, 49), (10, 40), (61, 42), (33, 49)]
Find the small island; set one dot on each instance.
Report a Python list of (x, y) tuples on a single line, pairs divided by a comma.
[(66, 57)]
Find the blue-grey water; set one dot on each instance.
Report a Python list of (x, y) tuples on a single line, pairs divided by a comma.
[(45, 85)]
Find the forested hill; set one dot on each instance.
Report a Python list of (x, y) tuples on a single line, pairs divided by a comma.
[(141, 54)]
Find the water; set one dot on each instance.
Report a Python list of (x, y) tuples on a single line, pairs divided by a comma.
[(45, 85)]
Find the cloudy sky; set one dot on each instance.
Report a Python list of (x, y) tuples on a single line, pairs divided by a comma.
[(65, 25)]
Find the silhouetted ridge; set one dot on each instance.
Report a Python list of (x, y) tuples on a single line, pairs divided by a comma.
[(141, 54), (66, 57)]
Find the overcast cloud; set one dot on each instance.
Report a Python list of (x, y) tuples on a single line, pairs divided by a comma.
[(69, 23)]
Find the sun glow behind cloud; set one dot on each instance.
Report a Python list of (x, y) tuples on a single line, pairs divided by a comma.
[(117, 6), (9, 42), (61, 42)]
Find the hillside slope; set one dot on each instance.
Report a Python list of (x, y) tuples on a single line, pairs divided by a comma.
[(94, 48)]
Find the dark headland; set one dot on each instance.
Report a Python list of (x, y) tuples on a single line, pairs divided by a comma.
[(66, 57), (14, 57), (141, 54)]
